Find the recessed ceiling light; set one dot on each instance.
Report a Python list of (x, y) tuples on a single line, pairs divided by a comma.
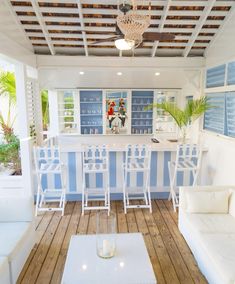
[(119, 73), (81, 73), (157, 74)]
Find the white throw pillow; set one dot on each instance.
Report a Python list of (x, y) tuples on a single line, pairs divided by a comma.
[(232, 203), (207, 201)]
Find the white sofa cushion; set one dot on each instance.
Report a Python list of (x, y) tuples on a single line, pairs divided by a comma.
[(184, 189), (221, 250), (16, 208), (4, 271), (211, 223), (232, 202), (12, 236), (207, 202)]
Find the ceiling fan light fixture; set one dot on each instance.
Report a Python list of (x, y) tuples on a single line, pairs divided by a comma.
[(123, 44)]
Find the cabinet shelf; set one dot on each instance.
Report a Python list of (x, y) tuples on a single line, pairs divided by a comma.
[(142, 118), (141, 104), (66, 103), (68, 122), (91, 114), (93, 125), (142, 111), (68, 109), (95, 102)]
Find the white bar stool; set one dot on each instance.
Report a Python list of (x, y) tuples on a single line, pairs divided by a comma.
[(95, 161), (48, 163), (137, 160), (188, 159)]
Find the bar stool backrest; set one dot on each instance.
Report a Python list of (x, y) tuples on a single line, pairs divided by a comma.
[(95, 154), (189, 153), (46, 156), (138, 154)]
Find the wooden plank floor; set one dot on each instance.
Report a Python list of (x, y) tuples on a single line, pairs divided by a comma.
[(170, 256)]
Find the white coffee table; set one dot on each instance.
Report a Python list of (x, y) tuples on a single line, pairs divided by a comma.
[(130, 265)]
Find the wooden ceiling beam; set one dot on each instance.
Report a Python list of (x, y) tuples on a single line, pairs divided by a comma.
[(39, 16), (111, 21), (82, 26), (202, 20), (220, 30), (114, 12), (143, 2), (112, 29), (161, 26), (18, 23)]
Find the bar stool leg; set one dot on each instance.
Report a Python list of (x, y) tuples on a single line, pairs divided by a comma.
[(124, 189), (37, 201), (83, 201), (150, 202), (195, 177), (172, 194)]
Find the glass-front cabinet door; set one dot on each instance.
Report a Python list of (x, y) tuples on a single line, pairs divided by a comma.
[(142, 118), (117, 112), (68, 113), (164, 122), (91, 112)]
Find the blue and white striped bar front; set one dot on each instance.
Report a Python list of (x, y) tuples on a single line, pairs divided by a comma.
[(159, 175)]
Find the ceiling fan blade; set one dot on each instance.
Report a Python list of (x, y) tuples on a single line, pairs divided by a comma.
[(158, 36), (105, 40), (141, 45), (117, 30)]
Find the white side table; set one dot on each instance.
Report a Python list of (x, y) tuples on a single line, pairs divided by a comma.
[(130, 265)]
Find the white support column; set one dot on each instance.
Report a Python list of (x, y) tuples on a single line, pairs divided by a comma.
[(82, 27), (161, 26), (198, 27), (25, 140), (53, 113), (21, 93), (38, 115)]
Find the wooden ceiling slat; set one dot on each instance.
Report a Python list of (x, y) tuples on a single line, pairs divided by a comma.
[(153, 23), (62, 21)]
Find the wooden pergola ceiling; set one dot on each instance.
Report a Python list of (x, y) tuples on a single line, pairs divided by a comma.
[(69, 27)]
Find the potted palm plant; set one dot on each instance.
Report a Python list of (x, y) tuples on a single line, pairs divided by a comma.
[(184, 117)]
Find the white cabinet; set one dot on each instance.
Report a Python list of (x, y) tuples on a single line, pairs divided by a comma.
[(68, 111), (164, 123)]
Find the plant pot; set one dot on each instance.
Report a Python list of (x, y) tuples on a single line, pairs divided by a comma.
[(183, 134), (4, 171)]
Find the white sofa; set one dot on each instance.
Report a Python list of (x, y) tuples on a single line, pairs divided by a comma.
[(4, 271), (17, 234), (210, 236)]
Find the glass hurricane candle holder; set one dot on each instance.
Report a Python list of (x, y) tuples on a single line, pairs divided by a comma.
[(106, 234)]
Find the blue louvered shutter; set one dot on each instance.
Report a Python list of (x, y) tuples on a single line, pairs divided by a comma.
[(231, 73), (215, 76), (214, 118), (230, 113)]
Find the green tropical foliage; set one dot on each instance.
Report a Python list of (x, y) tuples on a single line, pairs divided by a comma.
[(183, 117), (8, 85), (9, 154), (45, 108), (7, 89)]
